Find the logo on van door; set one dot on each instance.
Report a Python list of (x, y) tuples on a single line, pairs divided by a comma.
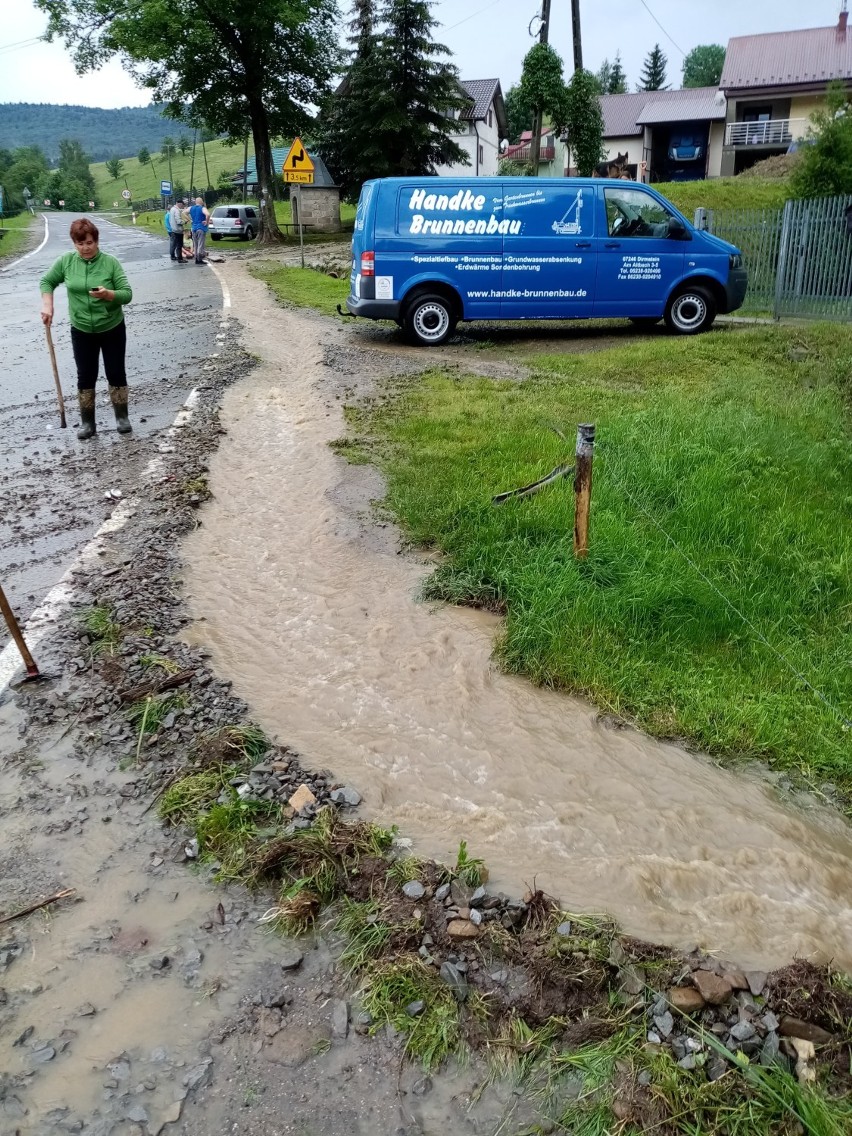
[(571, 223), (465, 201)]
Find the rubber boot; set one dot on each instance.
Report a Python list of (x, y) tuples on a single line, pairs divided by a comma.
[(86, 398), (118, 398)]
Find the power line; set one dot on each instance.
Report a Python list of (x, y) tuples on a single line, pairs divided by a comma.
[(662, 29), (7, 47), (493, 4)]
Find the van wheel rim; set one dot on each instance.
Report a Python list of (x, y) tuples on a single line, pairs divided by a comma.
[(689, 311), (431, 322)]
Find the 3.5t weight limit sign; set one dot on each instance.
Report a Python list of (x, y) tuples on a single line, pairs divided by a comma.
[(298, 166)]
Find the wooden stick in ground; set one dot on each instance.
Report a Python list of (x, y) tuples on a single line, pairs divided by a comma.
[(36, 906), (17, 635), (583, 488), (62, 421)]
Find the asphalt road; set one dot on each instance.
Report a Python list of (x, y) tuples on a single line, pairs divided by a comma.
[(52, 487)]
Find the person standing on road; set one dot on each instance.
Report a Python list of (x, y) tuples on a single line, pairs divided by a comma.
[(97, 292), (167, 222), (177, 214), (200, 218)]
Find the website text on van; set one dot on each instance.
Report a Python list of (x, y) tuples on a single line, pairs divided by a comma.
[(428, 252)]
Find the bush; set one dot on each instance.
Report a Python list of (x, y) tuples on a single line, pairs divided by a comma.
[(825, 166)]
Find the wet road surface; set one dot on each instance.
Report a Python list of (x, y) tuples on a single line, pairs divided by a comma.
[(52, 487)]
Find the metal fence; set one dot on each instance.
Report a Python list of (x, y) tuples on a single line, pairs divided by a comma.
[(799, 258)]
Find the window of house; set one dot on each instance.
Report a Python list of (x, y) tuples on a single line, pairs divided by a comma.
[(481, 154), (490, 118)]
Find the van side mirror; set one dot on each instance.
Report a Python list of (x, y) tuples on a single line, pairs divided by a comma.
[(677, 230)]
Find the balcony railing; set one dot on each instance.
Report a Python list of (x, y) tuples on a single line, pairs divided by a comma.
[(524, 153), (774, 132)]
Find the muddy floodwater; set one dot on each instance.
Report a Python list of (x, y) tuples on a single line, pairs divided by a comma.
[(313, 613)]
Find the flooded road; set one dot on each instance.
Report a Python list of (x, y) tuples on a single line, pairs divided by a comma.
[(312, 612)]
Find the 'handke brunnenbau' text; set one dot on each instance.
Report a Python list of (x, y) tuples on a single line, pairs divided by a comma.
[(465, 201)]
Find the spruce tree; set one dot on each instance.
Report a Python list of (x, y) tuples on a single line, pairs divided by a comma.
[(653, 77), (617, 78)]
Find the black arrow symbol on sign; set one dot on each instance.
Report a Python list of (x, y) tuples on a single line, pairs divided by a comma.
[(300, 157)]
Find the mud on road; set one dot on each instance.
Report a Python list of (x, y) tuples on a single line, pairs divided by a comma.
[(151, 999)]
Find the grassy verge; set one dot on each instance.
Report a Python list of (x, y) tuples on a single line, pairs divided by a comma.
[(152, 222), (561, 1002), (722, 482), (725, 193), (305, 287), (16, 235)]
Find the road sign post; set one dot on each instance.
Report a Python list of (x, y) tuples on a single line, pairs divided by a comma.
[(298, 170)]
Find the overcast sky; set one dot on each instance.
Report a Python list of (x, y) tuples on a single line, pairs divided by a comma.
[(488, 39)]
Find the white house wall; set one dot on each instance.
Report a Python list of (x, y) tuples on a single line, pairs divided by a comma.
[(489, 140)]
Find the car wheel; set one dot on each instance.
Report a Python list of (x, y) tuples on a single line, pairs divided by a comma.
[(248, 234), (215, 236), (645, 321), (690, 311), (429, 320)]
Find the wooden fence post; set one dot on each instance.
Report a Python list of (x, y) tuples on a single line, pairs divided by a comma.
[(583, 488)]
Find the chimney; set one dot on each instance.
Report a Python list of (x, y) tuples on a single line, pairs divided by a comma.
[(841, 22)]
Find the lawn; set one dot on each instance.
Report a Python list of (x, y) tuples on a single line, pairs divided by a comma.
[(718, 582), (725, 193), (16, 234), (306, 288)]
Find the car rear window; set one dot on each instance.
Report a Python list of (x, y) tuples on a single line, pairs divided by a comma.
[(221, 212)]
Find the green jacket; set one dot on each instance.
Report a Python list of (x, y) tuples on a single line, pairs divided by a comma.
[(79, 277)]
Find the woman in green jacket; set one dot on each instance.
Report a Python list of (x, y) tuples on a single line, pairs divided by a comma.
[(97, 292)]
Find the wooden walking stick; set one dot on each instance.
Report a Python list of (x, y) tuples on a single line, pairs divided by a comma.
[(62, 421), (11, 622)]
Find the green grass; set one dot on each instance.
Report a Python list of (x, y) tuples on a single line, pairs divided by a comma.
[(737, 453), (305, 287), (16, 234), (431, 1036), (187, 798), (102, 629), (142, 181), (725, 193)]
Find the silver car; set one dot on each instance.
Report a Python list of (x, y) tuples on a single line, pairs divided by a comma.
[(233, 221)]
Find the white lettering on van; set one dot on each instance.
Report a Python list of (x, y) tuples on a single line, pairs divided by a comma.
[(425, 226), (461, 202)]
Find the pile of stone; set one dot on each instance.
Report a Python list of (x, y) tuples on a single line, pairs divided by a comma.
[(281, 779)]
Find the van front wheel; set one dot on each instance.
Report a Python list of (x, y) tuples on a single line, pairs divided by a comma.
[(429, 321), (690, 311)]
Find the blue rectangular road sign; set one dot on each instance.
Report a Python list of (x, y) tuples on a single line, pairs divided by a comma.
[(165, 188)]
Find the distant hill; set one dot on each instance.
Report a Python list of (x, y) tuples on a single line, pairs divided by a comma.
[(103, 133)]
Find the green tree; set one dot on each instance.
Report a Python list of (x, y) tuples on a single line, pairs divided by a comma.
[(603, 77), (115, 168), (184, 145), (269, 61), (653, 76), (584, 122), (617, 77), (57, 186), (143, 157), (28, 167), (543, 88), (74, 164), (519, 114), (824, 166), (702, 67), (395, 112)]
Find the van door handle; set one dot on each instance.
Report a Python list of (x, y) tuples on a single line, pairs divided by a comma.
[(583, 245), (612, 244)]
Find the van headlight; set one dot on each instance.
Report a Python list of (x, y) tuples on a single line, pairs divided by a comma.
[(735, 260)]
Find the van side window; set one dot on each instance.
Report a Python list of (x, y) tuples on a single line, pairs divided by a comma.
[(632, 213)]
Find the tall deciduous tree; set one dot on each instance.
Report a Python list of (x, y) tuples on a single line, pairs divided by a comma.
[(824, 166), (703, 65), (542, 84), (653, 76), (519, 114), (584, 122), (267, 61), (184, 145), (74, 163), (393, 114)]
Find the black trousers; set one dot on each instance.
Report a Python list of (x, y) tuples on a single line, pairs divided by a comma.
[(88, 346), (176, 246)]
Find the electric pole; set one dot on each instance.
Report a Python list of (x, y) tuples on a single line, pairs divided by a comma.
[(535, 147), (575, 31)]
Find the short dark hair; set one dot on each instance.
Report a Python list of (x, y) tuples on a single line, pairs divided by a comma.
[(82, 228)]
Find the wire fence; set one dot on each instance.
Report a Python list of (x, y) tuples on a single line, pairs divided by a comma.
[(799, 257)]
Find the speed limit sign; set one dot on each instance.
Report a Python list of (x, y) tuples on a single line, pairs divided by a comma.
[(126, 194)]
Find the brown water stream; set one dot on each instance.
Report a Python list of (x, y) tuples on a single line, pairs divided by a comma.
[(316, 621)]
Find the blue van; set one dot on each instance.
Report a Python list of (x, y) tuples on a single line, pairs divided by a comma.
[(428, 252)]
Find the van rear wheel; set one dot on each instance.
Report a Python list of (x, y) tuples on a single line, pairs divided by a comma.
[(429, 320), (690, 311)]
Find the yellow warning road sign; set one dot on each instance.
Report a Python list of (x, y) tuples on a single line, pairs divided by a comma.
[(298, 166)]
